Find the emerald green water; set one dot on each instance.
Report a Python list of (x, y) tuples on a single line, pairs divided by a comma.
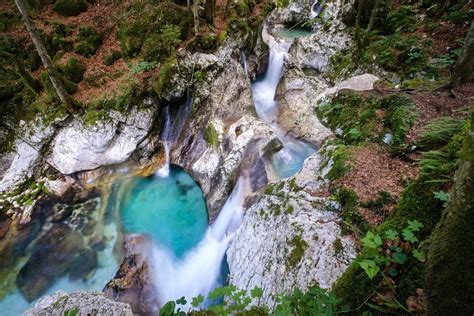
[(171, 210), (294, 32)]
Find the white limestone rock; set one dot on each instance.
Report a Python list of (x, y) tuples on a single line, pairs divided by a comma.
[(31, 138), (85, 303), (78, 148), (288, 240)]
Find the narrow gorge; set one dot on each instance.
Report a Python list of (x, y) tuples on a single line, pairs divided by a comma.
[(239, 158)]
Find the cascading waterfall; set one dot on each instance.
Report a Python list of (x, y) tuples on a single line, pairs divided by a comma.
[(172, 130), (198, 271), (290, 158), (164, 171), (316, 9), (244, 63)]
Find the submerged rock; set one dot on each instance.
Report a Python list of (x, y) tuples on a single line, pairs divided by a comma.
[(288, 240), (78, 148), (49, 261), (84, 303), (133, 283)]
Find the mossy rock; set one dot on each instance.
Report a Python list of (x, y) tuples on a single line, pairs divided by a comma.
[(450, 281), (111, 58), (73, 70), (88, 41), (70, 7)]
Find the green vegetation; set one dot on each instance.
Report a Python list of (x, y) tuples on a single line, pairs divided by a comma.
[(111, 58), (299, 246), (314, 301), (70, 7), (352, 221), (73, 70), (358, 117), (211, 136), (153, 30), (87, 41)]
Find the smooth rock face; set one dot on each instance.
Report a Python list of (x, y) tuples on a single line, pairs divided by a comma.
[(86, 303), (78, 148), (288, 240), (214, 141), (26, 158)]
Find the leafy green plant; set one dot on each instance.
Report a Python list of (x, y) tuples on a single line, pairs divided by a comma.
[(388, 252), (88, 41), (144, 66), (442, 196)]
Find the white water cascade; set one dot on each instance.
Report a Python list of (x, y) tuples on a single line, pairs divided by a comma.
[(164, 171), (172, 129), (288, 160), (316, 9), (197, 273), (244, 63)]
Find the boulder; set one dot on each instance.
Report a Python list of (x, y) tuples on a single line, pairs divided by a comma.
[(289, 240), (132, 283), (82, 302), (77, 147)]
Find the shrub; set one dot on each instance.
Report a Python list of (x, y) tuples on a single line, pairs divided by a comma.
[(73, 70), (111, 58), (70, 7), (88, 41)]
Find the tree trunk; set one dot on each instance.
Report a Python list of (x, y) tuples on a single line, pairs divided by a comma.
[(196, 16), (449, 277), (463, 71), (210, 11), (373, 16), (43, 53), (357, 26)]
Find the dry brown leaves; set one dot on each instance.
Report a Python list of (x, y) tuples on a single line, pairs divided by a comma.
[(374, 170), (432, 105)]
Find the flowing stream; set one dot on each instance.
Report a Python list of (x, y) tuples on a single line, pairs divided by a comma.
[(188, 256), (291, 157)]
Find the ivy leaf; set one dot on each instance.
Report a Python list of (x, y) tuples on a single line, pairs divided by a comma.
[(409, 236), (370, 268), (414, 225), (168, 309), (256, 292), (391, 234), (420, 255), (372, 240), (399, 257), (196, 301), (181, 301), (393, 272)]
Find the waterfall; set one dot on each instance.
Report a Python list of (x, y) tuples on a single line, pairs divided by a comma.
[(316, 9), (172, 130), (264, 91), (197, 273), (164, 171), (290, 159), (244, 63)]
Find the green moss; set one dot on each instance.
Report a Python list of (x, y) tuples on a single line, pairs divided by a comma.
[(450, 281), (340, 156), (297, 252), (73, 70), (337, 246), (352, 221), (161, 82), (153, 30), (357, 118), (111, 58), (211, 136), (70, 7), (88, 41)]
